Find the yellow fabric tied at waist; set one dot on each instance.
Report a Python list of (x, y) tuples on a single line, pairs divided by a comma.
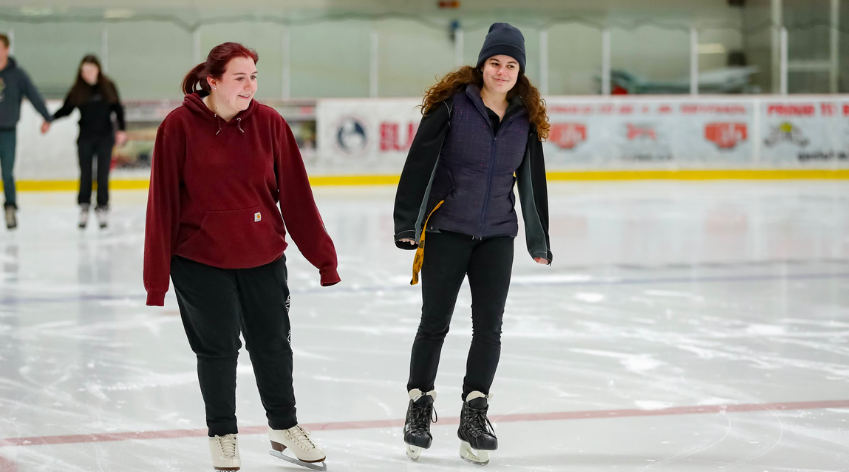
[(418, 261)]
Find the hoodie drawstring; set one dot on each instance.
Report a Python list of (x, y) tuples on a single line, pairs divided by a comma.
[(238, 123)]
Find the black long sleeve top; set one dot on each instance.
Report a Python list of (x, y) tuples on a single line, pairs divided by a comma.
[(95, 114)]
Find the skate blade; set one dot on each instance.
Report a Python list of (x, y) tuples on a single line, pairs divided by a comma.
[(413, 452), (468, 454), (308, 465)]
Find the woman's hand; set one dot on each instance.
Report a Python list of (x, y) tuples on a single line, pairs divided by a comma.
[(540, 260), (408, 240), (121, 138), (44, 127)]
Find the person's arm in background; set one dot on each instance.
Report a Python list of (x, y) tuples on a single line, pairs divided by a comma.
[(118, 109), (36, 99)]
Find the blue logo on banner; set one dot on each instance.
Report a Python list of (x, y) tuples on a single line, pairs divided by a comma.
[(351, 136)]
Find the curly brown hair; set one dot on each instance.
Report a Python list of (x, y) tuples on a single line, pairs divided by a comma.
[(455, 80)]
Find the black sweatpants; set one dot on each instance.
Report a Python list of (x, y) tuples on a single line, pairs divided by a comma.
[(88, 148), (215, 304), (448, 258)]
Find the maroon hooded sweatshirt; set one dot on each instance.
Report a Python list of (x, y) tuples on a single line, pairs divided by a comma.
[(214, 190)]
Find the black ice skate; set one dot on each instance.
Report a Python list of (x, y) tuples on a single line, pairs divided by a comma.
[(417, 426), (476, 432)]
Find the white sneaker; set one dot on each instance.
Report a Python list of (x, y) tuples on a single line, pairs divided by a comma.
[(297, 440), (225, 452)]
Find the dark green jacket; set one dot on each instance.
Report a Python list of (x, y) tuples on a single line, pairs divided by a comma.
[(414, 201)]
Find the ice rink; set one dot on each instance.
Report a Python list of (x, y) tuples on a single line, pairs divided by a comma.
[(684, 326)]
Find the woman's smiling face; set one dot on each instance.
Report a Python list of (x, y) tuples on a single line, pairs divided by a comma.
[(237, 85), (500, 73)]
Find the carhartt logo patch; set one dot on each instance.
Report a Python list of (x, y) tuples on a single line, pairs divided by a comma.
[(257, 217)]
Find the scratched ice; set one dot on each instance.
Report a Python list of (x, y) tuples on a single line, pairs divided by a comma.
[(682, 327)]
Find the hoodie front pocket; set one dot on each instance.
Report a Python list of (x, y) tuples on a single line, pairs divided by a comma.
[(234, 239)]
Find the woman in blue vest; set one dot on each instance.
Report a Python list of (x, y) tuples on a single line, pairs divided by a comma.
[(481, 133)]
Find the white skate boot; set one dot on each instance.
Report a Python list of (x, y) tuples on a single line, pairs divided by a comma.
[(307, 453), (102, 216), (83, 216), (11, 221), (225, 452)]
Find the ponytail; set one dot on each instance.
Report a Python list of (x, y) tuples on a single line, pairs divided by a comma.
[(214, 66), (195, 77)]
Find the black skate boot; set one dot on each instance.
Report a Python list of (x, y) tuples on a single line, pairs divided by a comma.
[(476, 432), (420, 413)]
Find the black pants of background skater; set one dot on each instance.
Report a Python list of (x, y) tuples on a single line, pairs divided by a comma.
[(215, 305), (449, 257), (89, 147)]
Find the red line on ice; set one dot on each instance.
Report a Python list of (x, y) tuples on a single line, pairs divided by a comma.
[(7, 465), (350, 425)]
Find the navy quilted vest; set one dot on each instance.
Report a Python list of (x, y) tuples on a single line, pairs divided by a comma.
[(474, 174)]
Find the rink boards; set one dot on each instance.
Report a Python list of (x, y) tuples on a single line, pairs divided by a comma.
[(365, 141)]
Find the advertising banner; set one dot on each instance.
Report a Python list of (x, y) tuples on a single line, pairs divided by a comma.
[(365, 135), (657, 133), (372, 136), (809, 132)]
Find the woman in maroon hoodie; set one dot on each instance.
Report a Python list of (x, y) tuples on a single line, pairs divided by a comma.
[(222, 163)]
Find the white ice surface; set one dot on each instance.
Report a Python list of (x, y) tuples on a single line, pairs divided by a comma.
[(661, 295)]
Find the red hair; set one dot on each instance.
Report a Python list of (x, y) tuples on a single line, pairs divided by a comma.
[(215, 65)]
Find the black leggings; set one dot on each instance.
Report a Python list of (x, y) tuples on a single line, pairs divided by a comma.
[(215, 304), (88, 148), (448, 258)]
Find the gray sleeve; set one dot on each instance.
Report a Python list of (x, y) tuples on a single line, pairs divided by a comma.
[(34, 97)]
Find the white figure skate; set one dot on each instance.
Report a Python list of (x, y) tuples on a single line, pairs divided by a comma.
[(102, 217), (297, 440), (225, 452), (83, 216)]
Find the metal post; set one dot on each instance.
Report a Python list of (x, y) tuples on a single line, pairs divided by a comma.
[(196, 46), (777, 22), (458, 47), (694, 61), (835, 46), (11, 35), (286, 74), (605, 61), (543, 61), (373, 63), (104, 50), (783, 64)]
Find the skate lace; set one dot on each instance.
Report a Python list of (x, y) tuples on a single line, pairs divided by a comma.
[(476, 421), (302, 438), (421, 417), (228, 444)]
